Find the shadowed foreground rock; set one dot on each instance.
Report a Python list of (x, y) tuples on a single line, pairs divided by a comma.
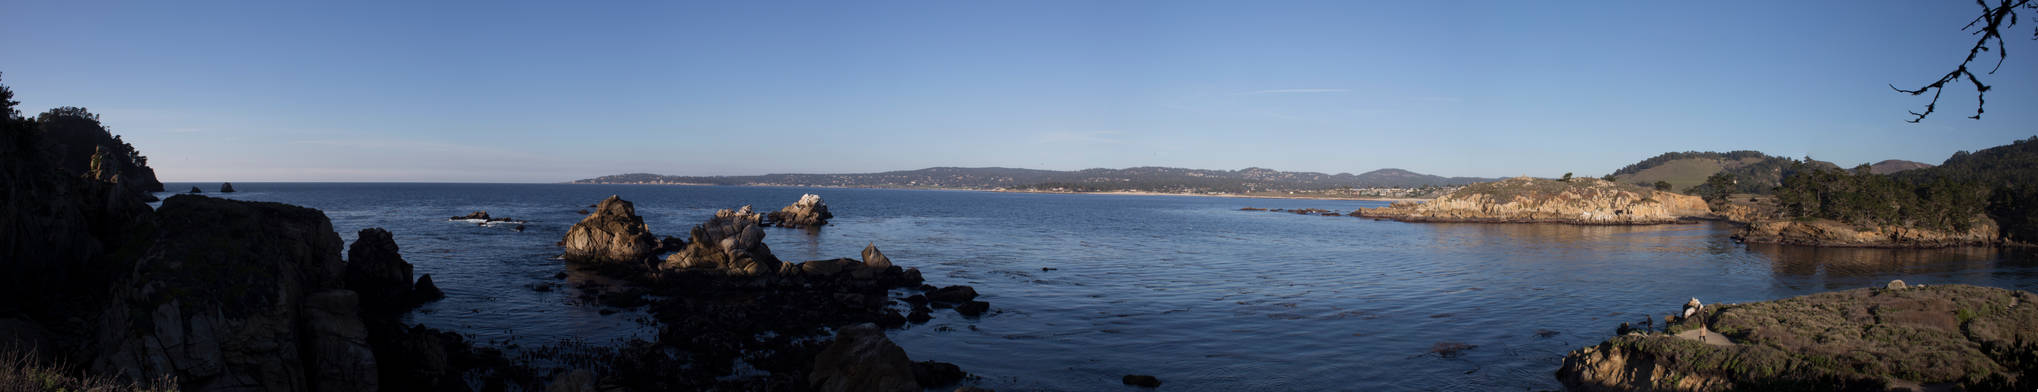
[(809, 211), (1957, 336), (862, 359), (1533, 200), (613, 234), (378, 272)]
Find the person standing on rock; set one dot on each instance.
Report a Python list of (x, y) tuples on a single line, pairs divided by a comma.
[(1694, 308)]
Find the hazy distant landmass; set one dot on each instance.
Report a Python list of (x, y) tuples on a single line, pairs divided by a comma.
[(1137, 179)]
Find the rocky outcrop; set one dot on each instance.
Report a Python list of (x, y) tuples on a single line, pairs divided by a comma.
[(809, 211), (862, 359), (1823, 232), (220, 300), (482, 216), (379, 274), (872, 258), (1956, 337), (73, 211), (226, 187), (613, 234), (1532, 200), (730, 243), (341, 360)]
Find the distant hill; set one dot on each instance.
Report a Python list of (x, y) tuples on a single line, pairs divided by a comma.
[(1145, 179), (1896, 165), (1755, 172)]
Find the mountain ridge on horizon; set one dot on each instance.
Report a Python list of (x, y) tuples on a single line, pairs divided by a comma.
[(1141, 178)]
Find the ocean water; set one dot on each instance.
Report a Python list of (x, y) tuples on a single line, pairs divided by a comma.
[(1087, 288)]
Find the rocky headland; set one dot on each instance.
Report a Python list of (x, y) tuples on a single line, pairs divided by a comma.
[(1898, 337), (1587, 201)]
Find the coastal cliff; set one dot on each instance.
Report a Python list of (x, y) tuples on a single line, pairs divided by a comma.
[(1894, 338), (1532, 200)]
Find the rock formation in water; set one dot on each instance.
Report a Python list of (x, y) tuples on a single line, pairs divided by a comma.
[(1826, 232), (862, 359), (809, 211), (872, 258), (729, 243), (1946, 336), (613, 234), (195, 190), (379, 274), (1532, 200), (226, 187)]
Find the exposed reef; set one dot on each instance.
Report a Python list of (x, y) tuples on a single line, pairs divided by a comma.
[(1896, 337), (809, 211), (1532, 200)]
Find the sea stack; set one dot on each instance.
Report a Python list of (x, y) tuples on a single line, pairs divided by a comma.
[(612, 234), (730, 243), (196, 190), (809, 211), (226, 187)]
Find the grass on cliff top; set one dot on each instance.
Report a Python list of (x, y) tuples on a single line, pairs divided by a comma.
[(1542, 189), (1977, 337), (21, 371)]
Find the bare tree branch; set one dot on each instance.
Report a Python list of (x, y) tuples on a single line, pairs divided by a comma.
[(1989, 26)]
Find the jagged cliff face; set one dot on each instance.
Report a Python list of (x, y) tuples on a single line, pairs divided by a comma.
[(1577, 201), (1824, 232), (66, 225), (238, 295)]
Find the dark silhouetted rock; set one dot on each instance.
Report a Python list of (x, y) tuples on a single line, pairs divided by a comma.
[(226, 187), (1141, 380), (953, 294), (613, 234), (932, 374), (196, 190), (973, 308), (341, 359), (378, 272), (730, 243), (425, 290), (920, 315), (809, 211), (862, 359)]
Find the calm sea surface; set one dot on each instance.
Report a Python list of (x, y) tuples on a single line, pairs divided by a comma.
[(1189, 289)]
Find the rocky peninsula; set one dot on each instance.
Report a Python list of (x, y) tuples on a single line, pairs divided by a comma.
[(1831, 233), (1898, 337), (1587, 201)]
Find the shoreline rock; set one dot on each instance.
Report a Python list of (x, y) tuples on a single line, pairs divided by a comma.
[(226, 187), (1968, 337), (1580, 201), (729, 243), (1829, 233)]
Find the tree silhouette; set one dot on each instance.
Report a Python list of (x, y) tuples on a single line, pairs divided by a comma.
[(1989, 26)]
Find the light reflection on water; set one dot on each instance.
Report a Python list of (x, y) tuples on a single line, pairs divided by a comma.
[(1185, 288)]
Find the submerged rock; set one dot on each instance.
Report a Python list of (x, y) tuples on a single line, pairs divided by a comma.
[(613, 234), (1141, 380), (862, 359), (730, 243), (809, 211)]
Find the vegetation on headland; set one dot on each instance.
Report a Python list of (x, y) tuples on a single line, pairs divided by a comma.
[(24, 371), (1974, 338), (1995, 187)]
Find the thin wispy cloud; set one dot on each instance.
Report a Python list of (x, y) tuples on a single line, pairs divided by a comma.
[(1301, 91), (1083, 138)]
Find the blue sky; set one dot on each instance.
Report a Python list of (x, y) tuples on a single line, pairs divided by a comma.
[(555, 91)]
